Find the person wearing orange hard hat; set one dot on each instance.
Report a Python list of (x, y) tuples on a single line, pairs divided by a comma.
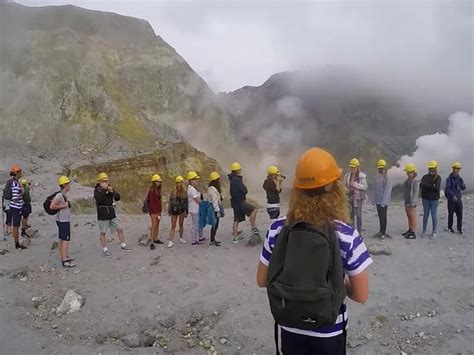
[(312, 259), (356, 183)]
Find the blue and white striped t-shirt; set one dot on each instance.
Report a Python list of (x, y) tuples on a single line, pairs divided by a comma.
[(355, 259), (17, 198)]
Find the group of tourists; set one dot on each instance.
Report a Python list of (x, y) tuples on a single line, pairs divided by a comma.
[(429, 189)]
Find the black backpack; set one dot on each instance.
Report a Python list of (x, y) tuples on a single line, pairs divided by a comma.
[(7, 191), (305, 277), (146, 205), (47, 204)]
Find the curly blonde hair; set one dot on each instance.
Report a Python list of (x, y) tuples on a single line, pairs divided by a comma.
[(319, 207)]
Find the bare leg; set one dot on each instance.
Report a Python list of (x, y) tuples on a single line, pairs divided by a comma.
[(64, 246), (235, 229), (120, 235), (253, 218), (16, 237), (61, 250), (103, 240), (181, 225), (174, 219)]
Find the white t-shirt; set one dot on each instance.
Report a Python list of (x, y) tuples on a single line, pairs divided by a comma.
[(193, 206), (64, 214)]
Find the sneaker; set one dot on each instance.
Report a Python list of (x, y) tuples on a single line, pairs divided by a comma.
[(196, 243), (377, 235), (459, 232), (69, 264), (126, 248), (68, 258), (406, 233), (107, 253), (170, 243), (433, 236), (20, 247), (236, 240), (214, 244), (450, 230), (411, 235), (201, 240), (423, 234), (182, 241), (255, 231), (158, 241), (382, 237), (152, 246)]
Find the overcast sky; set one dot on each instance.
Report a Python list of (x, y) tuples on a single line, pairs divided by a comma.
[(236, 43)]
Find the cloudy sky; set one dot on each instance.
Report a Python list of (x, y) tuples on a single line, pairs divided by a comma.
[(236, 43)]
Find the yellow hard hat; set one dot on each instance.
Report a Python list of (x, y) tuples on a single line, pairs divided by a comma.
[(103, 177), (432, 164), (354, 163), (410, 167), (214, 176), (23, 182), (192, 175), (273, 170), (235, 166), (156, 178), (63, 180), (381, 164), (457, 165), (179, 179)]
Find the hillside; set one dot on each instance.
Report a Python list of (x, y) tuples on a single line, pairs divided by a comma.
[(333, 108)]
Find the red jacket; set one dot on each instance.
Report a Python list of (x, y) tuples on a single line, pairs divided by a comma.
[(154, 197)]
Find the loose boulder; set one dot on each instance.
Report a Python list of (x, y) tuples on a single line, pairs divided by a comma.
[(379, 249), (71, 303)]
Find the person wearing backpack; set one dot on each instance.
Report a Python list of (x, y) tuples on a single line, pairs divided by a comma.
[(26, 211), (356, 183), (215, 201), (61, 204), (410, 194), (312, 259), (430, 187), (453, 191), (178, 210), (16, 203), (382, 196), (194, 199), (105, 197), (154, 201)]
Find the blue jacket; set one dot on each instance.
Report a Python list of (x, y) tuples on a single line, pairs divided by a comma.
[(207, 215), (238, 191), (454, 187)]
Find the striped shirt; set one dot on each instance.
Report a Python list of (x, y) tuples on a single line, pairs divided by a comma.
[(355, 259), (17, 197)]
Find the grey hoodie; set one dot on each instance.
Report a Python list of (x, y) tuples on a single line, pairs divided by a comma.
[(382, 190)]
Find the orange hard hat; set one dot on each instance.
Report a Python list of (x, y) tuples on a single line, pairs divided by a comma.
[(15, 168), (316, 168)]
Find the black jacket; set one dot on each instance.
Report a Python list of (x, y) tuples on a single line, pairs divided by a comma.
[(105, 202), (238, 191), (430, 187), (273, 194)]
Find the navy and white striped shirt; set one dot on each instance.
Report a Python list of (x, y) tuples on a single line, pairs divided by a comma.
[(355, 259), (17, 197)]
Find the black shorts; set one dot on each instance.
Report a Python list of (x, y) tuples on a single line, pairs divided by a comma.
[(64, 229), (26, 211), (16, 216), (244, 209), (292, 343), (273, 212)]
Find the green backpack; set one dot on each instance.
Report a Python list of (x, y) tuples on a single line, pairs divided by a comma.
[(305, 283)]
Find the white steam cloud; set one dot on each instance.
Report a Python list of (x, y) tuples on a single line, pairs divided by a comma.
[(456, 145)]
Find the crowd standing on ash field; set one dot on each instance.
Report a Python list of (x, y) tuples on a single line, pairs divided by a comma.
[(311, 259)]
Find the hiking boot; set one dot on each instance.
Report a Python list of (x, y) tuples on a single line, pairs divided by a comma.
[(107, 253), (152, 246), (410, 235), (170, 243), (450, 230), (182, 241), (126, 248), (158, 241)]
